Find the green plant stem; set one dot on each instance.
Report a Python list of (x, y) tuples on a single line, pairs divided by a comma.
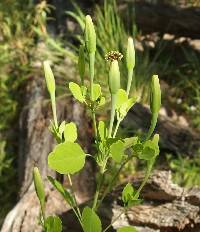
[(74, 196), (91, 67), (112, 114), (94, 122), (43, 213), (53, 104), (107, 190), (152, 126), (147, 174), (117, 127), (115, 219), (130, 77), (96, 196)]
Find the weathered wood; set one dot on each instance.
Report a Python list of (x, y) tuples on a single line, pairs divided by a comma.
[(174, 137), (166, 18)]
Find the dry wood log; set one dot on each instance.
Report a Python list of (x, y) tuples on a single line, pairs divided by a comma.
[(166, 18), (174, 137)]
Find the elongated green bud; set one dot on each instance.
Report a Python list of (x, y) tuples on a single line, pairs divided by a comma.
[(51, 88), (81, 63), (90, 35), (50, 81), (155, 101), (130, 54), (114, 77), (39, 187)]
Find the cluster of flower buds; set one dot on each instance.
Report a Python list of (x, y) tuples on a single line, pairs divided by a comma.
[(113, 55)]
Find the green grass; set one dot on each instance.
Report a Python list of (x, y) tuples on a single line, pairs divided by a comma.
[(185, 170)]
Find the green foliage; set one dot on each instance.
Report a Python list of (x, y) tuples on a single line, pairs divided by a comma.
[(185, 170), (69, 158), (130, 196), (91, 221)]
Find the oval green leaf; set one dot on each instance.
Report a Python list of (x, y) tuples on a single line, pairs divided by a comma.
[(67, 158), (121, 98), (70, 132), (91, 221), (117, 151), (76, 91)]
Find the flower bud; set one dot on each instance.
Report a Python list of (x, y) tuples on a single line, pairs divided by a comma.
[(39, 187), (90, 35), (114, 77), (81, 62), (155, 101), (130, 54), (50, 81)]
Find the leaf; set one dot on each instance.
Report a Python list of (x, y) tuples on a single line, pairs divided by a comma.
[(117, 151), (67, 158), (137, 148), (125, 107), (96, 92), (127, 229), (70, 132), (129, 142), (76, 92), (61, 127), (102, 130), (150, 149), (127, 193), (53, 224), (59, 187), (121, 98), (130, 196), (91, 221), (39, 187)]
